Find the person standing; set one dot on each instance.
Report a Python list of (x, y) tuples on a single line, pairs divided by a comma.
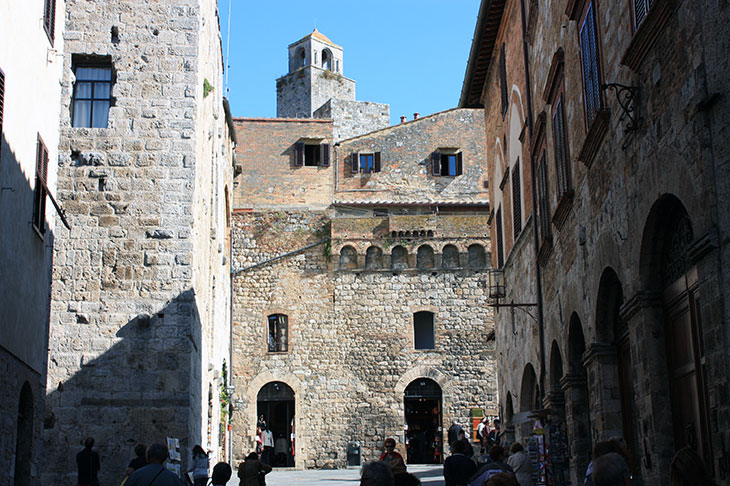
[(392, 458), (154, 472), (88, 464), (457, 467), (140, 450), (482, 434), (520, 462), (280, 449), (453, 434), (201, 463), (268, 443)]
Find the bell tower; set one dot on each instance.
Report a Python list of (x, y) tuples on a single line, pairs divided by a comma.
[(314, 77)]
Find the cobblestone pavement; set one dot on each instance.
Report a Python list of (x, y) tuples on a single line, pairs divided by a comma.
[(429, 475)]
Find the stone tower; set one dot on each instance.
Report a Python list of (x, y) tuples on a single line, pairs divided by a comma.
[(315, 77)]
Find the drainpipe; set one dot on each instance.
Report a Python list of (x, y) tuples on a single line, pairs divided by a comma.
[(536, 239)]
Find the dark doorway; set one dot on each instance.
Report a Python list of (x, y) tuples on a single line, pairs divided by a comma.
[(24, 440), (275, 401), (422, 400)]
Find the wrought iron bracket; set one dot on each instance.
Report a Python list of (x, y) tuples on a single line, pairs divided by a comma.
[(626, 97), (513, 306)]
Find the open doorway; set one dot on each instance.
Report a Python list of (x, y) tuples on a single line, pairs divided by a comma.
[(275, 402), (422, 403)]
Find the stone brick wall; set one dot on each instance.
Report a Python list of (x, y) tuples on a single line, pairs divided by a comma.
[(300, 93), (265, 152), (353, 118), (406, 161), (351, 352), (141, 276)]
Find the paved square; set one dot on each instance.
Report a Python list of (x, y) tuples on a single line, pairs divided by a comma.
[(429, 475)]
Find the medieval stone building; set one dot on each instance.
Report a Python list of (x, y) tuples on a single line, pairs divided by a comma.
[(360, 253), (139, 309), (606, 129), (30, 72)]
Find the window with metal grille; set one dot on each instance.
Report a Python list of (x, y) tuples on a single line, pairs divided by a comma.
[(561, 148), (49, 19), (589, 62), (500, 239), (91, 96), (41, 189), (516, 199), (278, 333), (641, 9), (503, 78), (543, 198)]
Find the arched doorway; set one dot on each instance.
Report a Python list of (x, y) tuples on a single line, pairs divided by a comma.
[(529, 398), (577, 403), (24, 439), (275, 401), (422, 404)]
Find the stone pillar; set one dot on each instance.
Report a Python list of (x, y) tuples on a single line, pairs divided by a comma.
[(578, 424), (605, 399)]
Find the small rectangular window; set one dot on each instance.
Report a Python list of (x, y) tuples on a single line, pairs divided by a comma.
[(589, 62), (278, 333), (311, 154), (91, 96), (366, 162), (423, 335), (562, 161), (447, 163), (49, 19), (41, 189)]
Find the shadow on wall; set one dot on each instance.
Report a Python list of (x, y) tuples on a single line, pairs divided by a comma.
[(145, 388), (25, 264)]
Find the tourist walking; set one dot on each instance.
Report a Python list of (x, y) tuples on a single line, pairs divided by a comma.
[(392, 458), (493, 464), (221, 474), (88, 464), (252, 472), (200, 466), (154, 472), (458, 468), (521, 464)]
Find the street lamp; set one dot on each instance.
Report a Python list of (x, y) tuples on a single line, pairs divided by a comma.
[(498, 290)]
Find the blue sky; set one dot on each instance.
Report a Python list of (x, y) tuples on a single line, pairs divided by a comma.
[(407, 53)]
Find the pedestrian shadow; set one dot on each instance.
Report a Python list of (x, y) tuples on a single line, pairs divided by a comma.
[(144, 388)]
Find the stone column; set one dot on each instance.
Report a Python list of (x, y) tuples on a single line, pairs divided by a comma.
[(578, 424), (605, 400)]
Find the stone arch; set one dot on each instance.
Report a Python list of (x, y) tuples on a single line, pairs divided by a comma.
[(516, 99), (327, 59), (476, 257), (424, 257), (399, 258), (577, 403), (24, 437), (424, 371), (373, 258), (348, 258), (300, 58), (556, 366), (529, 393), (450, 256)]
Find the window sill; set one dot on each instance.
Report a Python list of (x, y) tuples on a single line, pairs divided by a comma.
[(647, 33), (277, 352), (561, 212), (594, 137), (546, 249)]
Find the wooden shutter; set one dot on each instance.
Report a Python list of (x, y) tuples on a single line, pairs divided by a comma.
[(561, 148), (376, 162), (49, 19), (436, 163), (500, 248), (41, 176), (542, 195), (299, 154), (516, 199), (640, 11), (589, 60), (459, 164), (2, 99), (503, 78), (355, 163), (324, 156)]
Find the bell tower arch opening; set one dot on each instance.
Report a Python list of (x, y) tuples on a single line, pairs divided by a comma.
[(423, 413)]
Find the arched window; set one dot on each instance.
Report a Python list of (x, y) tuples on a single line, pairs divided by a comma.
[(326, 59), (348, 258), (373, 258), (476, 257), (300, 58), (424, 257), (278, 333), (450, 257), (423, 337), (399, 258)]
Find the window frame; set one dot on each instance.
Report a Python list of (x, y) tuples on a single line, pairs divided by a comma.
[(93, 100), (280, 338), (357, 165), (41, 188), (516, 200), (591, 112), (440, 166), (322, 155), (432, 335), (500, 238), (49, 19)]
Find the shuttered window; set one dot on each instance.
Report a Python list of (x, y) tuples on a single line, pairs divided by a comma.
[(2, 102), (41, 191), (311, 155), (516, 199), (49, 19), (561, 148), (500, 239), (447, 163), (503, 78), (589, 62), (641, 9), (366, 162), (543, 198)]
